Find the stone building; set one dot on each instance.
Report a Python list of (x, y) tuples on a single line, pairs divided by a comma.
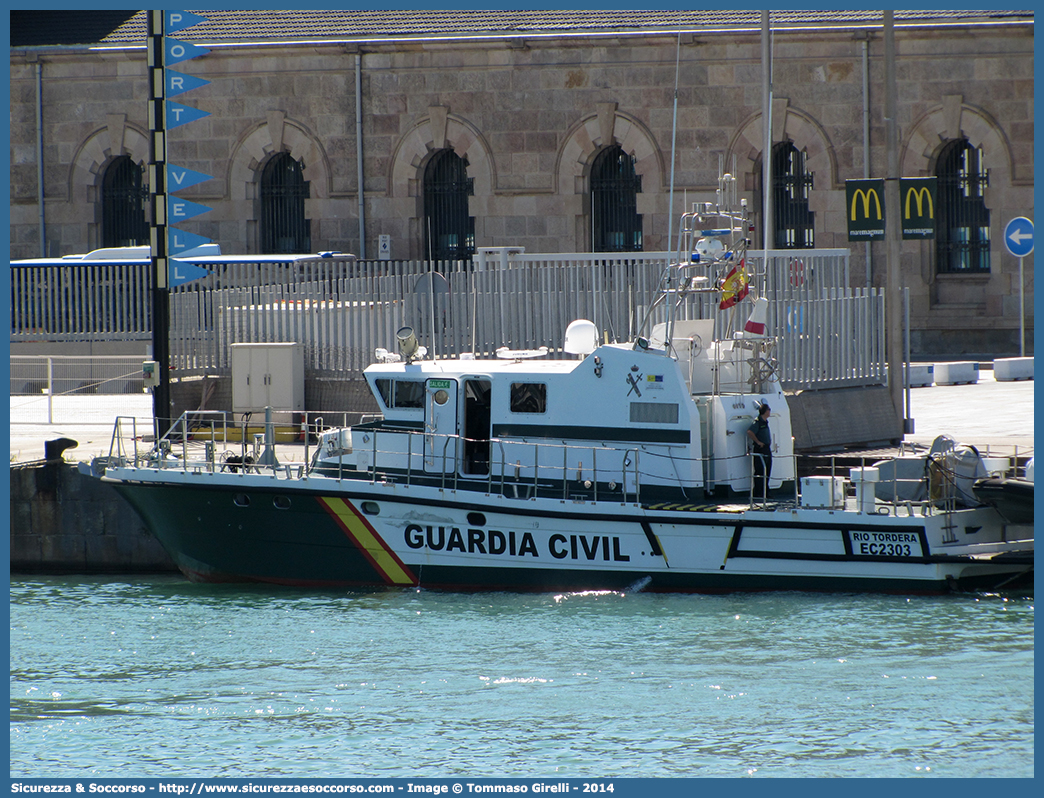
[(439, 132)]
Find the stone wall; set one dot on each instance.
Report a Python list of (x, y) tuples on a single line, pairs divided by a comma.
[(65, 522), (530, 115)]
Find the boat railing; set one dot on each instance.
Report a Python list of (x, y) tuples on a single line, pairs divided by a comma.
[(571, 471), (934, 490), (212, 441), (201, 440), (123, 447), (550, 471)]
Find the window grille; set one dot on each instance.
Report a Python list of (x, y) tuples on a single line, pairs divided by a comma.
[(654, 413), (124, 199), (616, 225), (962, 227), (284, 228), (449, 233), (791, 184)]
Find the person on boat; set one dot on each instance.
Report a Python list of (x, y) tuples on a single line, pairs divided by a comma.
[(761, 448)]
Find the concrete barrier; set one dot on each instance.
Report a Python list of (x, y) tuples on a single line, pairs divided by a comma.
[(958, 373), (921, 375), (839, 418), (1009, 369)]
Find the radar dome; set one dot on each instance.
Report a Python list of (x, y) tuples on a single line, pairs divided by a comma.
[(581, 337)]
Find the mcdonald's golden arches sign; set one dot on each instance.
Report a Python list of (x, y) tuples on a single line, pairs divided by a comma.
[(865, 209), (917, 195)]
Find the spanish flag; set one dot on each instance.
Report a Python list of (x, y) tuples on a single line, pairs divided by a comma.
[(735, 286)]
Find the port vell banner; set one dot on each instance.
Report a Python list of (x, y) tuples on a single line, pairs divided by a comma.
[(175, 51)]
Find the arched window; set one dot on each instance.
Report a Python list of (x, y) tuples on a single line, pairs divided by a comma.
[(616, 225), (962, 228), (284, 228), (449, 233), (124, 196), (793, 223)]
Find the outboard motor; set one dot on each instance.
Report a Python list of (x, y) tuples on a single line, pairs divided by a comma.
[(952, 474)]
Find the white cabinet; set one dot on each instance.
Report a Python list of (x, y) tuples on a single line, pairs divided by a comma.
[(267, 375)]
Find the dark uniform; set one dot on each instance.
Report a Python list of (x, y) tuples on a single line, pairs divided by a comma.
[(762, 452)]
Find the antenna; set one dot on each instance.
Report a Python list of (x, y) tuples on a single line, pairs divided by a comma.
[(674, 138)]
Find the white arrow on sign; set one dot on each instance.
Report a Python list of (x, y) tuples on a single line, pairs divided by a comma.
[(1018, 237)]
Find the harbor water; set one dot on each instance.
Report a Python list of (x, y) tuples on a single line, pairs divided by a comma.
[(158, 677)]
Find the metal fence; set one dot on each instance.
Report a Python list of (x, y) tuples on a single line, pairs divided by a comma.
[(830, 335), (45, 388), (342, 310), (81, 301)]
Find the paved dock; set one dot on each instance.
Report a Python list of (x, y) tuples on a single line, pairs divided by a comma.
[(990, 415)]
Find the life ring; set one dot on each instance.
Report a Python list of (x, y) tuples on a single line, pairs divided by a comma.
[(797, 272)]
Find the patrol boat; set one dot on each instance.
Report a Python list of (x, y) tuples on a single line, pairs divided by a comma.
[(604, 466)]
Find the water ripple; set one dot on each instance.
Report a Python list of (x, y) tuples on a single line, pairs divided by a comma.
[(160, 677)]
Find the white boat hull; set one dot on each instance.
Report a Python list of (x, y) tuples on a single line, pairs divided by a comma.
[(325, 531)]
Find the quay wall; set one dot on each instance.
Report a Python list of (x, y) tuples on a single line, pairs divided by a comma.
[(65, 522)]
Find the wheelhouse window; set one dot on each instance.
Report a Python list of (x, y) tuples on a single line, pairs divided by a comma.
[(616, 225), (793, 223), (284, 190), (124, 198), (962, 228), (528, 397), (401, 393), (449, 233)]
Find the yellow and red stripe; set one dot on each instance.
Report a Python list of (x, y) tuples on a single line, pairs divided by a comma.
[(385, 561)]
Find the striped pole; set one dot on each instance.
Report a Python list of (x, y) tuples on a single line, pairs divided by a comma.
[(157, 182)]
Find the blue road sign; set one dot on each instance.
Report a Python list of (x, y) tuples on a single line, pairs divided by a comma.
[(1018, 236)]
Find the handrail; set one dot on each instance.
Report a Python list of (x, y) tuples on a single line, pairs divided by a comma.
[(630, 464), (212, 429)]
